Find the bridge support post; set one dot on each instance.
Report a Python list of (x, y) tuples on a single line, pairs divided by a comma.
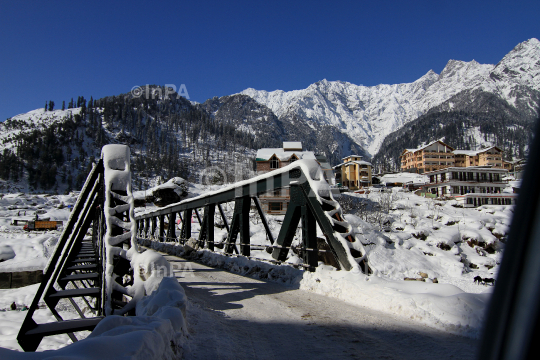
[(161, 228), (309, 237), (240, 224), (186, 225), (171, 229), (290, 224), (146, 227), (154, 226), (207, 227)]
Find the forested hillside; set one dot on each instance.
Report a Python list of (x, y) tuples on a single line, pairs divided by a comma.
[(53, 149)]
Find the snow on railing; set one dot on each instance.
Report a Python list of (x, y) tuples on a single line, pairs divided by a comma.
[(149, 267)]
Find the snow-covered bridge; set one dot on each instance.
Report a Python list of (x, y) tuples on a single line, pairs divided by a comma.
[(110, 273), (100, 270)]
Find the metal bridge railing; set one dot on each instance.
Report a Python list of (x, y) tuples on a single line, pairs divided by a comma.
[(311, 203), (74, 261)]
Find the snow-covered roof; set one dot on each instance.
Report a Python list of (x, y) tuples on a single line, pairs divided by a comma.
[(359, 162), (404, 177), (292, 145), (425, 146), (346, 157), (282, 155), (515, 162), (473, 152)]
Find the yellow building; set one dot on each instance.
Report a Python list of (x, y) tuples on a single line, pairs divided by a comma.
[(491, 156), (433, 156), (354, 173)]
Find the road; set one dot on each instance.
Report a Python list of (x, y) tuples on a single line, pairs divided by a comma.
[(236, 317)]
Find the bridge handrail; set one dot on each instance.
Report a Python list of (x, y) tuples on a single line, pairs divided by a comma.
[(314, 188), (260, 184)]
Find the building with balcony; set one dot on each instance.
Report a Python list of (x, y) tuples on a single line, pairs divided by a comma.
[(491, 156), (268, 159), (354, 172), (433, 156), (472, 186)]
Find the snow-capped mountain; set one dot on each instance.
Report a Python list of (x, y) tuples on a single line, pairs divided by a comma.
[(468, 104), (369, 114)]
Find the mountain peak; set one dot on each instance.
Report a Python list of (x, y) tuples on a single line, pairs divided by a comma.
[(429, 76), (521, 64), (531, 43)]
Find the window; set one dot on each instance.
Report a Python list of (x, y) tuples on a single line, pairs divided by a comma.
[(275, 206), (293, 159), (274, 162)]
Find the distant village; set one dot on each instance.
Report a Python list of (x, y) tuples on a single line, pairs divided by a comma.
[(472, 177)]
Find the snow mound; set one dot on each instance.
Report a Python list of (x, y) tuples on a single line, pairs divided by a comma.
[(441, 306), (6, 252), (157, 332)]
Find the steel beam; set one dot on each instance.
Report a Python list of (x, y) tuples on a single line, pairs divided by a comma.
[(263, 219), (240, 225), (186, 225), (162, 227), (171, 229), (250, 189)]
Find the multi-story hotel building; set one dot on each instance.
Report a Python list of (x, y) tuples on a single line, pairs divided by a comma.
[(354, 173), (491, 156), (472, 186), (276, 202), (433, 156)]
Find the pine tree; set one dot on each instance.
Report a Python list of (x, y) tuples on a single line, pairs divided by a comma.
[(63, 105)]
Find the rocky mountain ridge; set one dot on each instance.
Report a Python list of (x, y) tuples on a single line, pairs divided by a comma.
[(369, 114), (468, 104)]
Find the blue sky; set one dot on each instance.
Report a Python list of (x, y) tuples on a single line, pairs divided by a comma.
[(57, 50)]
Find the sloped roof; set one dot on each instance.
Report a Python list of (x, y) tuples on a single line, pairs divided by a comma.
[(346, 157), (425, 146), (474, 152), (359, 162), (282, 155), (293, 145)]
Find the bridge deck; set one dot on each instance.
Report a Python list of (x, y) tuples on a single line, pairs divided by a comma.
[(238, 317)]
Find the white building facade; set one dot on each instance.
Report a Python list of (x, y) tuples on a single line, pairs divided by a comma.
[(471, 186)]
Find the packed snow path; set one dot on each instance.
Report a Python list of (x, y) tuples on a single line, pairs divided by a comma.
[(237, 317)]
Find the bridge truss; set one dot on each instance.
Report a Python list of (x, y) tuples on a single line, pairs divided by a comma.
[(311, 204), (91, 267)]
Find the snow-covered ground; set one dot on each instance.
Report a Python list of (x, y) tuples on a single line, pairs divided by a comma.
[(159, 331), (21, 250), (424, 254)]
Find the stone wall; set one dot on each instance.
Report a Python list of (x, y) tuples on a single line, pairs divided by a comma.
[(11, 280)]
